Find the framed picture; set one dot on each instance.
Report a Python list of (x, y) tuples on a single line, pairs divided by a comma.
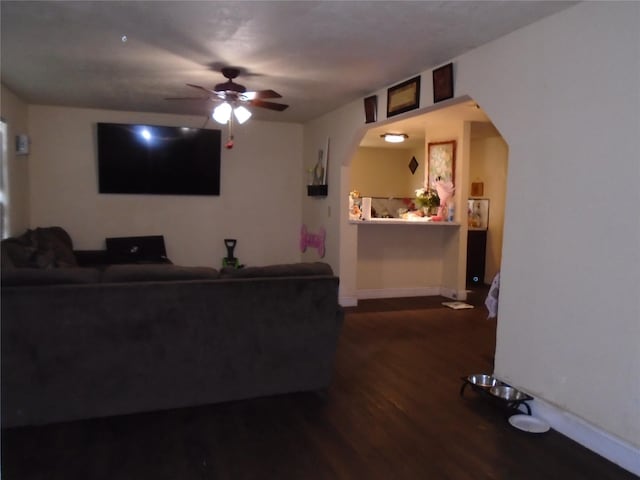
[(371, 109), (443, 83), (403, 97), (442, 161), (413, 165), (477, 189)]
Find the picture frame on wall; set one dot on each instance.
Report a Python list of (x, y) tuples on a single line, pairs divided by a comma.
[(443, 83), (442, 161), (477, 189), (403, 97), (371, 109)]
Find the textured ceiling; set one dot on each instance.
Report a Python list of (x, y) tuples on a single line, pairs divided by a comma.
[(317, 55)]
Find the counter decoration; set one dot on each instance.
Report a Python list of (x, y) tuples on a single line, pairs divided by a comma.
[(355, 205), (445, 191), (428, 199)]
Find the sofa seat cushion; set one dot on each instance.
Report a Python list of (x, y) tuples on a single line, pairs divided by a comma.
[(156, 272), (284, 270), (39, 276)]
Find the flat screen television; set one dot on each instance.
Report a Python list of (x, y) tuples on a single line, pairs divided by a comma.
[(152, 159)]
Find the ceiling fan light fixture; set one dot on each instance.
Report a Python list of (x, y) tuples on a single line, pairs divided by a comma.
[(242, 114), (222, 113), (394, 137)]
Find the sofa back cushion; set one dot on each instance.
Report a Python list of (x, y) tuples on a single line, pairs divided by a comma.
[(284, 270), (52, 276), (156, 272)]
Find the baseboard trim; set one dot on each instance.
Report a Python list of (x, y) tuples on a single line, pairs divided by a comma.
[(347, 301), (366, 294), (453, 294), (604, 444), (397, 292)]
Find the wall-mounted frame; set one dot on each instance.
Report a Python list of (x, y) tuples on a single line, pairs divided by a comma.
[(371, 109), (22, 144), (442, 161), (403, 97), (413, 165), (477, 189), (443, 83)]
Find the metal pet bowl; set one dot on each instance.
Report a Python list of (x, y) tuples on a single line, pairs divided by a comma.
[(507, 393), (482, 380)]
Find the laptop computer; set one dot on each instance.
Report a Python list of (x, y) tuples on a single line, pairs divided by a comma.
[(145, 249)]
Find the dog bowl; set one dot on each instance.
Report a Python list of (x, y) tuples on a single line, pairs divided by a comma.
[(507, 393), (482, 380)]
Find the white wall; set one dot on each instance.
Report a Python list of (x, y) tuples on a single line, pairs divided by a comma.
[(259, 202), (571, 281), (15, 114), (331, 212), (564, 94)]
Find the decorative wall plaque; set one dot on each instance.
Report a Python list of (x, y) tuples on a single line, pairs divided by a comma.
[(371, 109), (403, 97), (443, 83)]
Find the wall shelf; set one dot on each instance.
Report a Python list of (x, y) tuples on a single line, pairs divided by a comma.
[(317, 190)]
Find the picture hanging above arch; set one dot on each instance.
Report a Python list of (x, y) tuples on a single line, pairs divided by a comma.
[(443, 83)]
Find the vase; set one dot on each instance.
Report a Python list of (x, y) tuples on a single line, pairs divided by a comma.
[(430, 211)]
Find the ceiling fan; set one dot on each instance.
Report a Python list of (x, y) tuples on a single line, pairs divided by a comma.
[(232, 98), (235, 96)]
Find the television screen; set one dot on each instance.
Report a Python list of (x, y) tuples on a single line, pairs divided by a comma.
[(151, 159)]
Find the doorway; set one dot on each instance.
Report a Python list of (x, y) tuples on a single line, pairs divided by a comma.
[(484, 162), (488, 164)]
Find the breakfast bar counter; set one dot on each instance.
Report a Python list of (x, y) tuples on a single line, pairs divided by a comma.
[(401, 221)]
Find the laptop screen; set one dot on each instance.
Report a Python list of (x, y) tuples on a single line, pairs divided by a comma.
[(146, 249)]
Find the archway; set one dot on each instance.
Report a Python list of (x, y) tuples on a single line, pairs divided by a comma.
[(382, 255)]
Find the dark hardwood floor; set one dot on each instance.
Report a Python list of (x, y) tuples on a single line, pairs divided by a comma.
[(393, 411)]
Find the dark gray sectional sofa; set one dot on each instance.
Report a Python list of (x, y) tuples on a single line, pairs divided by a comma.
[(83, 342)]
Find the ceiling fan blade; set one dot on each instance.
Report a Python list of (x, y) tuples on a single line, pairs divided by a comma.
[(261, 94), (270, 105), (187, 98), (199, 87)]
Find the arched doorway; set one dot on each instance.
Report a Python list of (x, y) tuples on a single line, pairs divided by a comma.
[(388, 173)]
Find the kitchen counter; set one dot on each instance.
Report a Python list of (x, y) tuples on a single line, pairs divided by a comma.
[(401, 221)]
